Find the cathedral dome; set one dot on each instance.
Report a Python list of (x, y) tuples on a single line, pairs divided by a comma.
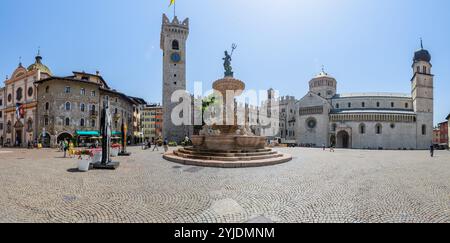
[(38, 65), (323, 75), (422, 55)]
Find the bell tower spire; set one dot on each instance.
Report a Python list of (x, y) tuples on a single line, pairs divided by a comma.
[(422, 92)]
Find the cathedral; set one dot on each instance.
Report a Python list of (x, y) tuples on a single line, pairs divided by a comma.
[(368, 120)]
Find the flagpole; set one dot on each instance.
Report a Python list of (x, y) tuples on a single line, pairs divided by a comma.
[(175, 9)]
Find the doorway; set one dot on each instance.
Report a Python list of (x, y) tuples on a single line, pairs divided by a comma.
[(343, 139)]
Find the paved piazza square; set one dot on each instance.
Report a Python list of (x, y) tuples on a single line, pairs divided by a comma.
[(317, 186)]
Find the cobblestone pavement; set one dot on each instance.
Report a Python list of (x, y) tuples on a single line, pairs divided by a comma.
[(317, 186)]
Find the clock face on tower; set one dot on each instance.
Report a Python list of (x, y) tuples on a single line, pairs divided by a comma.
[(175, 57)]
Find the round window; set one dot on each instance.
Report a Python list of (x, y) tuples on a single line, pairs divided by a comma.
[(392, 125), (30, 91), (9, 98), (311, 123)]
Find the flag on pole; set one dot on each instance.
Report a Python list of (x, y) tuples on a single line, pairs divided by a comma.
[(172, 2), (20, 111)]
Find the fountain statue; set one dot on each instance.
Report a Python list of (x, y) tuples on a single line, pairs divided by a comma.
[(227, 144)]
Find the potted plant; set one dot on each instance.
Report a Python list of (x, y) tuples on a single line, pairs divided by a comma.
[(115, 149), (84, 159)]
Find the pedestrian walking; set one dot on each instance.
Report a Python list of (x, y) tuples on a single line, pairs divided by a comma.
[(155, 142), (432, 151), (332, 146), (166, 145), (324, 147)]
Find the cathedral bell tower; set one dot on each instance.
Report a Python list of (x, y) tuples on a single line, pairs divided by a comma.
[(423, 97), (174, 35)]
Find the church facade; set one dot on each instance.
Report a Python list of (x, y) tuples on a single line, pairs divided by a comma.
[(368, 120)]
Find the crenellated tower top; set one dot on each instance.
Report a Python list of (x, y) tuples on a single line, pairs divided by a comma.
[(174, 28)]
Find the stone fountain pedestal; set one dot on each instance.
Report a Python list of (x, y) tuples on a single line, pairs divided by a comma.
[(227, 146)]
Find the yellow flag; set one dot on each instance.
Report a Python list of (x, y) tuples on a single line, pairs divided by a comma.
[(171, 2)]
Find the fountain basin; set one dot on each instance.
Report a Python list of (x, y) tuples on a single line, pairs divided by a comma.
[(197, 140), (229, 142), (253, 142)]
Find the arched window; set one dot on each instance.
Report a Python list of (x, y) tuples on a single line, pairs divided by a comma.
[(392, 104), (30, 91), (337, 106), (363, 104), (19, 94), (406, 105), (424, 130), (47, 106), (67, 106), (82, 107), (378, 104), (67, 122), (349, 105), (175, 45), (93, 108), (47, 89), (92, 123), (362, 129), (378, 129), (82, 122), (424, 69)]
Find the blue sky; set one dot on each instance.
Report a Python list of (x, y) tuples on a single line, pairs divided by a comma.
[(366, 44)]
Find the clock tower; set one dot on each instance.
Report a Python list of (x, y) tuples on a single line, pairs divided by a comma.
[(173, 44)]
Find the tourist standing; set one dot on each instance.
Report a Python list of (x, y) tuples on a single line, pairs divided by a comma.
[(65, 147), (186, 141), (323, 147), (332, 146)]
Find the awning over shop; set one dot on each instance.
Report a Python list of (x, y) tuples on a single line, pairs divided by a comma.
[(88, 133), (116, 133)]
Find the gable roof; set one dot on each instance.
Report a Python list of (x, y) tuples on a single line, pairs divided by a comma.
[(313, 99)]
